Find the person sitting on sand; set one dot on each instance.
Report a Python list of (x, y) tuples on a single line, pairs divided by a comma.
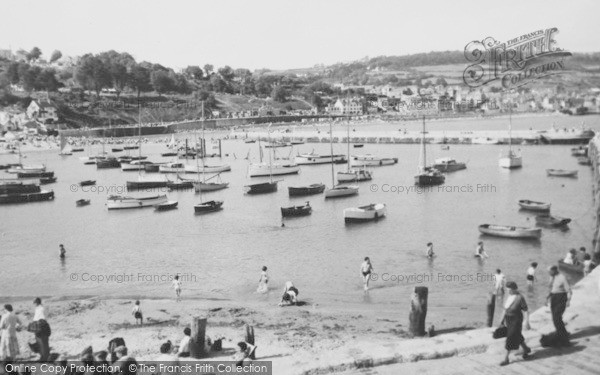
[(126, 364), (290, 294), (430, 254), (244, 353), (184, 345), (167, 358), (366, 268), (480, 251), (137, 313), (263, 281)]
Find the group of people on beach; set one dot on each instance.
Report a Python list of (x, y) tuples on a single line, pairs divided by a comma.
[(10, 324)]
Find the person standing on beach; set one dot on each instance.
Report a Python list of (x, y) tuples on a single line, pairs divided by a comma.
[(366, 268), (137, 313), (184, 345), (559, 298), (62, 251), (515, 313), (430, 254), (263, 281), (499, 282), (177, 287), (9, 324), (531, 273), (480, 251)]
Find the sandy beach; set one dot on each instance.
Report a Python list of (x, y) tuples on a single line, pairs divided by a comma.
[(300, 334)]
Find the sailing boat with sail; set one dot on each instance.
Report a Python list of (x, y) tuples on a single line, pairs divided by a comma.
[(271, 169), (210, 206), (204, 185), (263, 187), (172, 146), (353, 175), (427, 175), (337, 191), (144, 183), (65, 149), (511, 160)]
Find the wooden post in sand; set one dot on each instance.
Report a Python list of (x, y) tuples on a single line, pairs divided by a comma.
[(418, 311), (198, 337), (250, 338), (491, 306)]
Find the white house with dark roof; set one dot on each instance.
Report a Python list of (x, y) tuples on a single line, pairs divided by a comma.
[(43, 111)]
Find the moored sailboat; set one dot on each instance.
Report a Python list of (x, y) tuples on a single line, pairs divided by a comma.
[(427, 176)]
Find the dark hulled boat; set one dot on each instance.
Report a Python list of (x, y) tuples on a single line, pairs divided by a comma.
[(552, 221), (87, 183), (108, 163), (296, 210), (261, 188), (82, 202), (297, 191), (169, 205), (35, 174), (210, 206), (23, 193)]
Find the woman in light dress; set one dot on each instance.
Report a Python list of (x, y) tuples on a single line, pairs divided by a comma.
[(9, 324), (263, 286)]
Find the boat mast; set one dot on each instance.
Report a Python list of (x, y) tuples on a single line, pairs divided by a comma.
[(424, 164), (140, 139), (510, 132), (331, 149), (203, 144), (270, 157), (348, 146)]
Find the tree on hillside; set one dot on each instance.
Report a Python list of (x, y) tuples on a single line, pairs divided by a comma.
[(28, 76), (34, 54), (56, 55), (194, 72), (92, 74), (46, 80), (12, 73), (139, 79), (208, 69), (218, 83), (180, 83), (161, 81), (226, 73), (279, 93), (441, 81)]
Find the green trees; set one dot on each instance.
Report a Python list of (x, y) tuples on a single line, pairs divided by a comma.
[(56, 55)]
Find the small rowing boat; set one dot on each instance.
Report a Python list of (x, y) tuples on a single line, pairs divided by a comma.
[(510, 231), (373, 211), (533, 205), (561, 172), (87, 183), (552, 221), (169, 205), (210, 206), (82, 202)]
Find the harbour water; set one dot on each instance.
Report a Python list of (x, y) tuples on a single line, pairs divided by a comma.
[(135, 253)]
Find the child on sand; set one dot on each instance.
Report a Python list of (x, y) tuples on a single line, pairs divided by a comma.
[(263, 281), (531, 273), (177, 287), (290, 294), (499, 282), (366, 268), (137, 313)]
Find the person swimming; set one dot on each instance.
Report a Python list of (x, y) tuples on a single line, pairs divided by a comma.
[(62, 251), (430, 253)]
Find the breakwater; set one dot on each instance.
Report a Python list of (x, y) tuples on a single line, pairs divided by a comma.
[(133, 130)]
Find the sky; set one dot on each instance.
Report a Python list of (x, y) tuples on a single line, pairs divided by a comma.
[(285, 34)]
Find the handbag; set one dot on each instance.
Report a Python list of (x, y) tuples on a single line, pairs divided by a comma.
[(500, 332)]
